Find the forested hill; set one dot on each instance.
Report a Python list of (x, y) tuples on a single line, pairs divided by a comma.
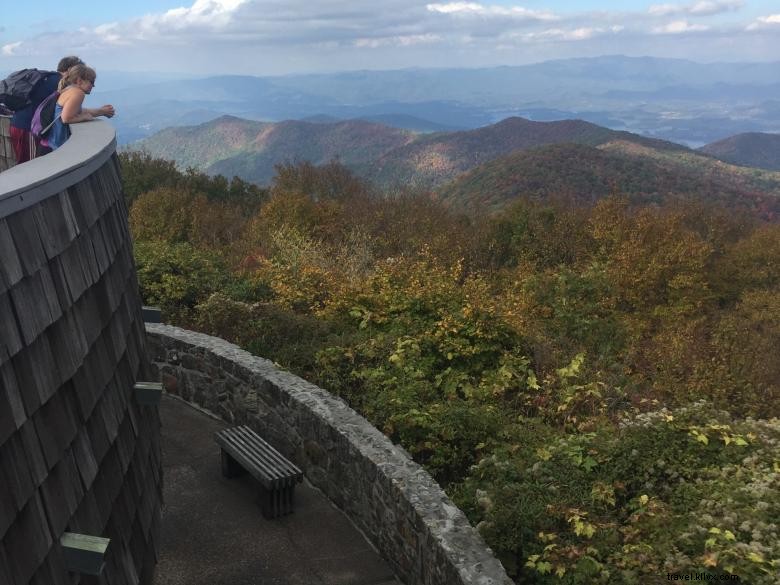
[(435, 159), (587, 174), (752, 149), (250, 150)]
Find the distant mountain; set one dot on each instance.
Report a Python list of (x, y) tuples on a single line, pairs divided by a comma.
[(751, 149), (231, 146), (437, 158), (402, 121), (672, 99), (587, 173)]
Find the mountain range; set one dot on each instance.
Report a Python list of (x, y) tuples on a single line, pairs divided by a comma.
[(486, 167), (671, 99), (385, 155)]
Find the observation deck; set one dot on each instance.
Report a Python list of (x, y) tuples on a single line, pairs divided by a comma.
[(79, 454)]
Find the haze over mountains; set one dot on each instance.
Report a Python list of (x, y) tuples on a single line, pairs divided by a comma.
[(484, 168), (671, 99), (387, 156)]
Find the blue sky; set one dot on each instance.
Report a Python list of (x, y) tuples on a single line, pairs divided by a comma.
[(292, 36)]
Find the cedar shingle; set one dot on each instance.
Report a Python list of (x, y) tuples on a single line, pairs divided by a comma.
[(85, 459), (103, 298), (73, 270), (8, 509), (26, 239), (10, 337), (12, 414), (50, 298), (32, 317), (17, 479), (60, 283), (87, 254), (37, 374), (35, 462), (57, 427), (54, 230), (102, 499), (99, 248), (6, 576), (111, 471), (109, 242), (84, 390), (61, 493), (98, 437), (28, 541), (68, 216), (83, 203), (88, 317), (87, 518), (68, 345)]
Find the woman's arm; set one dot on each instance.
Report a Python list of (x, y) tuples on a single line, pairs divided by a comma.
[(107, 111), (71, 107)]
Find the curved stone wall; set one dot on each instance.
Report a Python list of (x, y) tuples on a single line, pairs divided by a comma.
[(77, 454), (396, 503)]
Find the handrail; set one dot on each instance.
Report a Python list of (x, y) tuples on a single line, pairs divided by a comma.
[(91, 144)]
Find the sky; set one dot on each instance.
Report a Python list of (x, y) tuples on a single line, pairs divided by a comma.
[(277, 37)]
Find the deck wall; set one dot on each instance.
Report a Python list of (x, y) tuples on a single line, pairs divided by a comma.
[(77, 453)]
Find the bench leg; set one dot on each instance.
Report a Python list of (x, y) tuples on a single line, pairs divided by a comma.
[(230, 467), (275, 503), (265, 499)]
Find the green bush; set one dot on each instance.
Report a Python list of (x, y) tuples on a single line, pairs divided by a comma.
[(682, 491)]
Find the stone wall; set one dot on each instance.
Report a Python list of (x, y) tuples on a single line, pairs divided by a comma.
[(396, 503), (77, 453)]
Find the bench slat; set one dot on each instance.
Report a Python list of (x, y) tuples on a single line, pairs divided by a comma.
[(280, 463), (258, 457), (242, 452), (284, 465), (266, 461)]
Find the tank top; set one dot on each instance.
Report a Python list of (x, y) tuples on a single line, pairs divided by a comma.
[(60, 132)]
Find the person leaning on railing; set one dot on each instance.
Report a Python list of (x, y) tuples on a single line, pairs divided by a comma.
[(74, 87), (25, 145)]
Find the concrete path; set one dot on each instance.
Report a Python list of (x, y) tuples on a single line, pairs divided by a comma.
[(214, 534)]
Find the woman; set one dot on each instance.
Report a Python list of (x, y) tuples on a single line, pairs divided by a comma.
[(75, 85)]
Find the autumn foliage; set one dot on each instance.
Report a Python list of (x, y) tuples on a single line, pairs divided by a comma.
[(595, 383)]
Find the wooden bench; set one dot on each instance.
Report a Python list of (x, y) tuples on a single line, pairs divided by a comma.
[(244, 450)]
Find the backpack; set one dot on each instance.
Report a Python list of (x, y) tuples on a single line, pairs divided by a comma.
[(43, 119), (16, 89)]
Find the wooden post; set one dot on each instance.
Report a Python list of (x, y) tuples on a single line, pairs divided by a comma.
[(83, 553), (151, 314), (148, 393)]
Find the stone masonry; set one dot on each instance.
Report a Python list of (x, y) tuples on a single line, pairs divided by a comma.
[(394, 501)]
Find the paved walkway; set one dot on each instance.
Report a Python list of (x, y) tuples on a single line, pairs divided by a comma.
[(214, 534)]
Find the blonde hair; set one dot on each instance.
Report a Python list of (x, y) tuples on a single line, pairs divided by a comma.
[(75, 73)]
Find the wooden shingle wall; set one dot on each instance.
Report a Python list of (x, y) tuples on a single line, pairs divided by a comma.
[(7, 156), (77, 454)]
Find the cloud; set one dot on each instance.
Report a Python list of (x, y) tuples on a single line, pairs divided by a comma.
[(700, 8), (300, 35), (764, 22), (569, 35), (397, 41), (10, 49), (679, 27), (466, 9)]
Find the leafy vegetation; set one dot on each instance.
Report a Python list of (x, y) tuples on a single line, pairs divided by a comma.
[(594, 382)]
